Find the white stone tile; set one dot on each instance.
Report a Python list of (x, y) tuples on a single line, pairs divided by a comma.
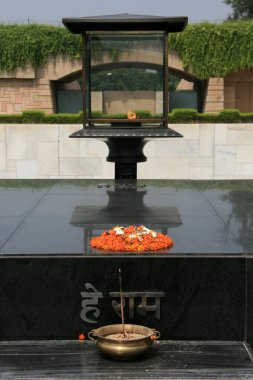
[(164, 168), (245, 171), (97, 148), (83, 146), (201, 161), (42, 132), (89, 166), (108, 169), (16, 142), (150, 148), (177, 148), (220, 132), (226, 177), (240, 134), (18, 145), (48, 158), (68, 147), (27, 169), (2, 132), (65, 130), (225, 161), (11, 164), (206, 140), (189, 131), (8, 174), (201, 172), (245, 153), (2, 155), (63, 176)]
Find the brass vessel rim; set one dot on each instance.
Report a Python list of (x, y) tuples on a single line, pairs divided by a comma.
[(103, 331)]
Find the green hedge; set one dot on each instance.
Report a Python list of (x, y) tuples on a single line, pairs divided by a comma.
[(224, 116), (176, 116)]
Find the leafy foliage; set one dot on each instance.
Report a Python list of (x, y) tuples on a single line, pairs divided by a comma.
[(210, 50), (33, 44), (130, 79), (241, 9), (215, 50)]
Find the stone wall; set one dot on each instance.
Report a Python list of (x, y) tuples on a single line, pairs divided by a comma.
[(122, 101), (207, 151), (238, 90), (215, 95), (34, 87)]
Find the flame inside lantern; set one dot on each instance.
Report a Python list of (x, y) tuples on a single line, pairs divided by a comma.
[(131, 115)]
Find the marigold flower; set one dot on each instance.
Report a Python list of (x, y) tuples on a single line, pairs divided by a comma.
[(131, 238), (81, 336)]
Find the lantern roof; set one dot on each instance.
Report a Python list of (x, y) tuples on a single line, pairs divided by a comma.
[(125, 22)]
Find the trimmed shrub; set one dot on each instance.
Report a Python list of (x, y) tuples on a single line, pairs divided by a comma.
[(33, 116), (207, 117), (229, 116), (64, 118), (247, 117), (142, 114), (8, 119), (179, 115), (176, 116)]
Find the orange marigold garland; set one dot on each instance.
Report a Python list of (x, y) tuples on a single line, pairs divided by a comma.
[(132, 238)]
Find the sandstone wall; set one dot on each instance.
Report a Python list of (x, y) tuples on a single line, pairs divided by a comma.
[(33, 87)]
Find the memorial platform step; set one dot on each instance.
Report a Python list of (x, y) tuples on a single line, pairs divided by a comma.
[(49, 360)]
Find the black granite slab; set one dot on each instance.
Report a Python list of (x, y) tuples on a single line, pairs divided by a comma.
[(46, 259), (249, 320), (166, 360), (204, 218), (202, 298)]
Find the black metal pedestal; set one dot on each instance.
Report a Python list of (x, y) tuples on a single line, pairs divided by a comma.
[(125, 170), (126, 153), (125, 145)]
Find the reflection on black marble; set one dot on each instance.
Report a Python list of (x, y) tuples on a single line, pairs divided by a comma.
[(235, 207), (204, 297), (125, 207), (167, 360), (249, 321), (205, 217)]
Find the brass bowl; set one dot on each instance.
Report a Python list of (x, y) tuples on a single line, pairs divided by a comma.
[(123, 348)]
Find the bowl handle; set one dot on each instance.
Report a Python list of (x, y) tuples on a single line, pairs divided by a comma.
[(92, 335), (156, 335)]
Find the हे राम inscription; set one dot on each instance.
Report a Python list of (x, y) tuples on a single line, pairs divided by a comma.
[(147, 302)]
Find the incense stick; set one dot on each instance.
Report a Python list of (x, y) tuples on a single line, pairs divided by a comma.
[(121, 305)]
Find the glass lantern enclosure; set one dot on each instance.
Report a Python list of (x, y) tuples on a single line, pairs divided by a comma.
[(125, 78), (125, 83), (125, 69)]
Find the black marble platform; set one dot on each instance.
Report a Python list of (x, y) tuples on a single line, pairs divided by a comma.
[(206, 278), (58, 217), (50, 360)]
